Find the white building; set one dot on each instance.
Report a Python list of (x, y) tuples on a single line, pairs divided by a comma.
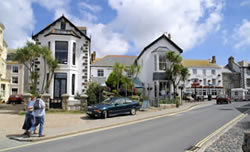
[(71, 47), (15, 71), (102, 67), (153, 65), (205, 77)]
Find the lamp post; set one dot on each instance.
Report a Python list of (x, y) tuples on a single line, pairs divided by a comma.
[(209, 93)]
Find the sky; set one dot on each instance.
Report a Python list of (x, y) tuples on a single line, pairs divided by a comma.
[(202, 28)]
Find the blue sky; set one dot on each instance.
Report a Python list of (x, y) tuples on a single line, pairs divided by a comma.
[(203, 28)]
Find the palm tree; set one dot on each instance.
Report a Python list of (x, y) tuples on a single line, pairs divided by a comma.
[(175, 72), (118, 69), (28, 55), (134, 70)]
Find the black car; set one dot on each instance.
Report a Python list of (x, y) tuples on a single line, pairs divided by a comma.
[(113, 106)]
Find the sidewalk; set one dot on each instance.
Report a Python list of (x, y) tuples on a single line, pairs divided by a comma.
[(57, 125)]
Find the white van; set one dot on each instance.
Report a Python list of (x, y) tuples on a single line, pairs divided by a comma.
[(239, 94)]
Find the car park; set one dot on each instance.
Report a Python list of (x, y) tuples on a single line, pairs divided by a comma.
[(113, 106)]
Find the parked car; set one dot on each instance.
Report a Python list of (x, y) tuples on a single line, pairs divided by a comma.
[(15, 99), (113, 106), (223, 99)]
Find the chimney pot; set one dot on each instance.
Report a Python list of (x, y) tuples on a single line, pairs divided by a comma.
[(213, 59), (169, 36)]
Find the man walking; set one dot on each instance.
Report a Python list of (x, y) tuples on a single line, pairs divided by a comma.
[(39, 113)]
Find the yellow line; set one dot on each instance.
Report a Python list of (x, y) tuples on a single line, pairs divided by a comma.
[(101, 128), (202, 142)]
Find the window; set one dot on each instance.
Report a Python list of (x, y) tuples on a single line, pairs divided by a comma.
[(49, 45), (100, 73), (74, 54), (2, 90), (213, 71), (236, 93), (63, 25), (204, 82), (204, 92), (214, 82), (73, 84), (155, 59), (61, 52), (15, 69), (248, 82), (204, 72), (248, 72), (194, 71), (15, 80), (14, 91), (214, 92), (162, 62)]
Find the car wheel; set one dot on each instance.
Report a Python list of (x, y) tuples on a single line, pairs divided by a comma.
[(105, 114), (133, 111)]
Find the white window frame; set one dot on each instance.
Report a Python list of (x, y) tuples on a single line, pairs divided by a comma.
[(12, 79)]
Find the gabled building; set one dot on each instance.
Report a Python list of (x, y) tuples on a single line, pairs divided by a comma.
[(236, 75), (4, 81), (102, 67), (205, 77), (153, 65), (70, 45)]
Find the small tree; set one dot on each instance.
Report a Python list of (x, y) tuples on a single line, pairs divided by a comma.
[(95, 93), (175, 72)]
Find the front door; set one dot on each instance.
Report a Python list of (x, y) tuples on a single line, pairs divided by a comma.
[(60, 88)]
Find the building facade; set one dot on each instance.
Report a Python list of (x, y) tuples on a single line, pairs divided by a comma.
[(102, 67), (4, 81), (70, 46), (236, 75), (205, 77), (15, 72), (152, 60)]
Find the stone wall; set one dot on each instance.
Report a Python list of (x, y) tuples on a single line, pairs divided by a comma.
[(231, 80)]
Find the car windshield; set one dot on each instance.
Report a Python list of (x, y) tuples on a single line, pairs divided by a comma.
[(222, 96)]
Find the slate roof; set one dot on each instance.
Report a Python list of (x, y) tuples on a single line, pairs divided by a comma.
[(62, 17), (110, 60), (199, 63), (159, 38)]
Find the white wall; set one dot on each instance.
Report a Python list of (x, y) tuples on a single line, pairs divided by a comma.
[(68, 68), (146, 61)]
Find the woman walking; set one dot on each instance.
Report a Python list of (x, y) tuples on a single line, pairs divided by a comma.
[(29, 117)]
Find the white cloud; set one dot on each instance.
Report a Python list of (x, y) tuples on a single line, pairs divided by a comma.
[(90, 7), (245, 3), (143, 20), (137, 21), (242, 34), (17, 16)]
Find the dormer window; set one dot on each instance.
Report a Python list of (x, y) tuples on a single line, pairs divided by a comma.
[(63, 26)]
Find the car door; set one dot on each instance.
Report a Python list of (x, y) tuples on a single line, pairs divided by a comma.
[(128, 105), (119, 106)]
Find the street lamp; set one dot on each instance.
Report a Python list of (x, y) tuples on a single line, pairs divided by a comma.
[(209, 93)]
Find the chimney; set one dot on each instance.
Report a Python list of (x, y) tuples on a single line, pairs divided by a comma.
[(230, 62), (213, 59), (169, 36), (93, 57)]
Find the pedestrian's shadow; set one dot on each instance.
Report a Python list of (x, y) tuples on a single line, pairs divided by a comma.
[(21, 137)]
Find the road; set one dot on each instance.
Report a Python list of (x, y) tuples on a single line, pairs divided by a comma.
[(168, 134)]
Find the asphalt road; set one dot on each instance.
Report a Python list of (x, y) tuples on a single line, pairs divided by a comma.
[(169, 134)]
